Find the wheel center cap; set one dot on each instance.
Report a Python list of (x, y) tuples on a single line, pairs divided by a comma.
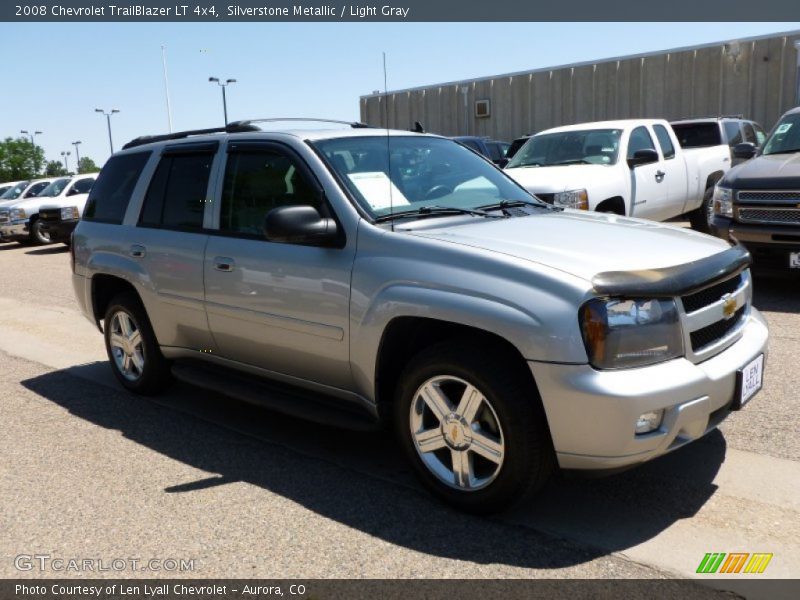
[(456, 432)]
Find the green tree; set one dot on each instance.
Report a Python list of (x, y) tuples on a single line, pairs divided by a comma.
[(55, 168), (87, 165), (19, 159)]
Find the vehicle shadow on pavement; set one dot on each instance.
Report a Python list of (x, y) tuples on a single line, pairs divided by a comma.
[(56, 249), (361, 481), (778, 294)]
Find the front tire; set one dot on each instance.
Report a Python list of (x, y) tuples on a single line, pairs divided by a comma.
[(132, 348), (37, 236), (470, 420)]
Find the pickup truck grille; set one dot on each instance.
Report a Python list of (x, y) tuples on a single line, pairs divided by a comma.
[(4, 216), (50, 214), (708, 323), (790, 197), (775, 216)]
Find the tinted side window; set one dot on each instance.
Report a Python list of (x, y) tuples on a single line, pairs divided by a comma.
[(664, 141), (640, 140), (749, 134), (495, 151), (176, 197), (255, 183), (36, 188), (82, 186), (733, 133), (109, 197), (760, 134), (473, 144)]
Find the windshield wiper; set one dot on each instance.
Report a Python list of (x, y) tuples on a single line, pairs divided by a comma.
[(426, 211), (530, 164), (504, 204), (575, 161)]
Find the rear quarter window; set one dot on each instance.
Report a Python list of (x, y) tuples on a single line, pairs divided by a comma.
[(111, 193), (697, 135)]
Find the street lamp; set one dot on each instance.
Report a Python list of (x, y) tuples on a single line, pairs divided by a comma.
[(66, 159), (36, 164), (223, 85), (77, 154), (108, 120)]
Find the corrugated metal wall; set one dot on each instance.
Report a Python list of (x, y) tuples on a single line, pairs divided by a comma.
[(755, 77)]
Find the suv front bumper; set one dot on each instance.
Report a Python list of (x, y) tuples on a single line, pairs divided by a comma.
[(770, 245), (592, 414)]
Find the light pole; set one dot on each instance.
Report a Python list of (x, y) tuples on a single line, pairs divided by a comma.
[(66, 160), (36, 164), (108, 120), (77, 155), (223, 85)]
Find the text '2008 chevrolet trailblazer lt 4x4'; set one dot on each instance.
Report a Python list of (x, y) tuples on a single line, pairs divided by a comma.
[(358, 276)]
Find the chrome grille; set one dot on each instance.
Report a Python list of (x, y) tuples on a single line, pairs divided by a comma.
[(761, 197), (777, 216), (50, 214), (4, 216)]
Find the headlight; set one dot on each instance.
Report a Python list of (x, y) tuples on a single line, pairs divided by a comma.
[(723, 201), (18, 214), (572, 199), (69, 213), (623, 333)]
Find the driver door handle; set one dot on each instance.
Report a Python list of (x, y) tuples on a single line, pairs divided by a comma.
[(224, 264), (660, 176)]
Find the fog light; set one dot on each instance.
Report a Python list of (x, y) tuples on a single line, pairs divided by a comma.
[(649, 421)]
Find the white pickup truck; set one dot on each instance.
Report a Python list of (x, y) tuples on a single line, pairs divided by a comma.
[(630, 167)]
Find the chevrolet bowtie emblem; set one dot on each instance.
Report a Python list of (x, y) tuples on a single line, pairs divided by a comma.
[(728, 306)]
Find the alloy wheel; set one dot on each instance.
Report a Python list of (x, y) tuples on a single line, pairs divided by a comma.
[(126, 346)]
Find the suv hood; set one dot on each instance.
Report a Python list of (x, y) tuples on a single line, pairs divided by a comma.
[(559, 179), (580, 243), (772, 172)]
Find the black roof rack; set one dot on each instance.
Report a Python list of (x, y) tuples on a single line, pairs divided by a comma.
[(149, 139), (353, 124)]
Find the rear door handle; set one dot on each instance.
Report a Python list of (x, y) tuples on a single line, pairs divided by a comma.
[(224, 264), (137, 251), (660, 176)]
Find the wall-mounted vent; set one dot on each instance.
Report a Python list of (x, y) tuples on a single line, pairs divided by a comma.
[(482, 109)]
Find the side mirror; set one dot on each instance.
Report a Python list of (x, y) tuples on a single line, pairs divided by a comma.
[(299, 225), (642, 157), (72, 192), (745, 150)]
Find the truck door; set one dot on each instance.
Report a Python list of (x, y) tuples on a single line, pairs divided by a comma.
[(648, 190), (675, 174)]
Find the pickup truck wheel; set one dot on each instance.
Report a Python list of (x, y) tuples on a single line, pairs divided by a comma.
[(37, 236), (132, 349), (473, 426), (700, 219)]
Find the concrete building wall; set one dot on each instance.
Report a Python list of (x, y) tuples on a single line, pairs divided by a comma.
[(756, 77)]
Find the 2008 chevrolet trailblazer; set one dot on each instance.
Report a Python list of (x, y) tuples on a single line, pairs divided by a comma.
[(358, 277)]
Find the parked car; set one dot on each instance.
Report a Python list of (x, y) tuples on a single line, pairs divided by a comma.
[(358, 277), (19, 219), (494, 150), (758, 203), (4, 187), (634, 167), (23, 190), (728, 131), (62, 206)]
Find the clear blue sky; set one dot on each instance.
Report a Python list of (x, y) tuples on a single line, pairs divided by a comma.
[(56, 74)]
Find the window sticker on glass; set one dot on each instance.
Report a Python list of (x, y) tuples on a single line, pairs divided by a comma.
[(783, 128), (375, 186)]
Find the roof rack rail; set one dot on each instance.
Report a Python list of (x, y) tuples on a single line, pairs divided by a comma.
[(237, 127), (710, 117), (353, 124)]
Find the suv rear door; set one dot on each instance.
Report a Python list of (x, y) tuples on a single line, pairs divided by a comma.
[(283, 307), (169, 242)]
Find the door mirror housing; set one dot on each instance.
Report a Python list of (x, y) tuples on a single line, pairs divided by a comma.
[(643, 157), (745, 150), (299, 225)]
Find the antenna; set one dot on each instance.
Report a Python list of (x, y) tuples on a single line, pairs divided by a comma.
[(388, 137)]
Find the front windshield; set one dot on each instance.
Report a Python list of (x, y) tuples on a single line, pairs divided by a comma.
[(405, 173), (54, 189), (14, 192), (786, 136), (588, 146)]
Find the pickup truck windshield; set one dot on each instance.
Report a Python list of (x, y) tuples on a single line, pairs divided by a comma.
[(14, 192), (589, 146), (390, 175), (54, 189), (785, 137)]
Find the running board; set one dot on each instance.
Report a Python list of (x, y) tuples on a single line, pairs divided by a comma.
[(291, 401)]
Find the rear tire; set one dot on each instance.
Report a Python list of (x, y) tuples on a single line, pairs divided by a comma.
[(470, 420), (700, 218), (132, 348)]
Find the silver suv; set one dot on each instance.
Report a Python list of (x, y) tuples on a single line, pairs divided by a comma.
[(361, 277)]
